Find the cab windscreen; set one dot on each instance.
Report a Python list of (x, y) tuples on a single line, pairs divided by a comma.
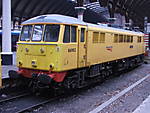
[(51, 33), (26, 33)]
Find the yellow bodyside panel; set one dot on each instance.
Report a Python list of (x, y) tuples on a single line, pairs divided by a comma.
[(109, 51), (68, 58)]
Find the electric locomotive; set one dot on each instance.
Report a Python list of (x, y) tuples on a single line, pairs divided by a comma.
[(62, 51)]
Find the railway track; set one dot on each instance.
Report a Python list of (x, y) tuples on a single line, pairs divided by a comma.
[(32, 107), (13, 97), (18, 100), (11, 93), (25, 102), (29, 102)]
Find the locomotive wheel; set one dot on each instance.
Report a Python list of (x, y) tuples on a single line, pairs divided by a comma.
[(71, 81)]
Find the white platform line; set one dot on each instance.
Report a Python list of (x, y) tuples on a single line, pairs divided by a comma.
[(105, 104), (144, 107)]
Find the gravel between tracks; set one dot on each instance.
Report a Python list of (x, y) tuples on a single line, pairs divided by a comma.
[(18, 104), (130, 101), (90, 98)]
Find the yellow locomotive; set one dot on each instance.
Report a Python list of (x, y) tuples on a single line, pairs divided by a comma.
[(58, 50)]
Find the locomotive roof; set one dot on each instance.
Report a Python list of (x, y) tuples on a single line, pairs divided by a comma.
[(54, 18), (115, 30)]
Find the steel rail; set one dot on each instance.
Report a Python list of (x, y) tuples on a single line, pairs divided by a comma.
[(13, 98), (39, 104)]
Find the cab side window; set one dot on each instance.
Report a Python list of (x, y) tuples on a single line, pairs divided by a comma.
[(70, 34), (82, 35), (73, 33), (67, 34), (139, 39)]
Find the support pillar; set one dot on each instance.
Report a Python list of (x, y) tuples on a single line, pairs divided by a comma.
[(80, 11), (6, 54), (145, 24)]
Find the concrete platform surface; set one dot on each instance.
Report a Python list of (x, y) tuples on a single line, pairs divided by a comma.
[(5, 70), (144, 107)]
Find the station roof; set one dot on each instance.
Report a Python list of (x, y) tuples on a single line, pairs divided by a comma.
[(25, 9), (133, 9)]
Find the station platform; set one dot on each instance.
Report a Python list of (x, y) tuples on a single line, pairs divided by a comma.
[(5, 70), (144, 107)]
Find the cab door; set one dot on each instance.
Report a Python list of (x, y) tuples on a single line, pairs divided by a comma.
[(82, 47)]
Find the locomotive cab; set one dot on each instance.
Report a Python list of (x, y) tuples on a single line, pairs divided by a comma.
[(51, 47), (38, 47)]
